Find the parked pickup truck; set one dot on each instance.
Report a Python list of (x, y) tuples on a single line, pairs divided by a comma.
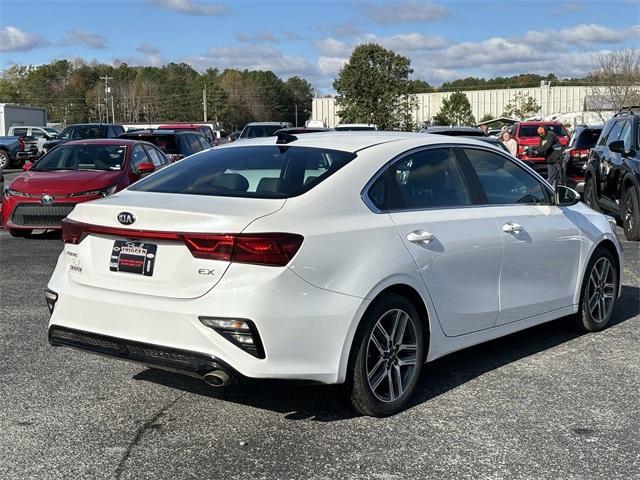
[(12, 151)]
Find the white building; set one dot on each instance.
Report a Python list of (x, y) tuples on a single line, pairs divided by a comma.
[(553, 100)]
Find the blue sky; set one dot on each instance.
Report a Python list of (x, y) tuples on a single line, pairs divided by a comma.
[(444, 39)]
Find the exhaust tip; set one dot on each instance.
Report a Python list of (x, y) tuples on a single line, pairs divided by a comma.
[(216, 378)]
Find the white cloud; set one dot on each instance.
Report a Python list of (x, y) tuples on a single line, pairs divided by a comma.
[(581, 35), (259, 37), (190, 7), (254, 57), (330, 66), (147, 49), (405, 12), (80, 38), (330, 47), (12, 39), (405, 41)]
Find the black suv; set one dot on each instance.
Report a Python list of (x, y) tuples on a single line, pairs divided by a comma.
[(83, 131), (576, 154), (612, 179), (176, 144)]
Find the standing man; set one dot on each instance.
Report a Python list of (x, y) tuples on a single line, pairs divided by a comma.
[(551, 149)]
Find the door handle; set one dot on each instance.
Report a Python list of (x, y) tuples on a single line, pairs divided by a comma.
[(511, 227), (420, 236)]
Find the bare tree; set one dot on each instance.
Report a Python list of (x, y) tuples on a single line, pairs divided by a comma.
[(615, 83)]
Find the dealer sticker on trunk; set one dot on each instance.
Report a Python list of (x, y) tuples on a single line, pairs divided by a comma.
[(133, 257)]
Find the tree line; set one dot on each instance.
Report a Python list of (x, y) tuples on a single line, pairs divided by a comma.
[(74, 91)]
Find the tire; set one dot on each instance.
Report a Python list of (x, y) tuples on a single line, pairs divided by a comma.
[(630, 213), (19, 232), (5, 160), (590, 195), (594, 316), (382, 376)]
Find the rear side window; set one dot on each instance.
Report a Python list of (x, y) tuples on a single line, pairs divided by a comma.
[(425, 179), (20, 132), (257, 172)]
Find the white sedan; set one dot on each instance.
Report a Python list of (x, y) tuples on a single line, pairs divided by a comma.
[(333, 257)]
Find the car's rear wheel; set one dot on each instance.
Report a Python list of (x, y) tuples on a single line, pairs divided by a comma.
[(599, 291), (590, 195), (5, 161), (631, 214), (19, 232), (388, 357)]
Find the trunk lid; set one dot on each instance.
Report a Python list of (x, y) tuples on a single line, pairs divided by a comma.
[(169, 269)]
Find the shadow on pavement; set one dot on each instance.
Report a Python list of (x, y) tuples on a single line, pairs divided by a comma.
[(299, 401)]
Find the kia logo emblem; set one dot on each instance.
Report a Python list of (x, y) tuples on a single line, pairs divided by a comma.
[(47, 200), (126, 218)]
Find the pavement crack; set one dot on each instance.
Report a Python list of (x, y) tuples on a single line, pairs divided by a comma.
[(140, 431)]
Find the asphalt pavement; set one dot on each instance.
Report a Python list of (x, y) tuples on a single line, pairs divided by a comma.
[(546, 403)]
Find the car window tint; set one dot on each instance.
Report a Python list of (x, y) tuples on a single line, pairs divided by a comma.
[(256, 171), (614, 134), (504, 182), (194, 144), (67, 133), (587, 138), (427, 179), (138, 156), (35, 133), (20, 132), (110, 132), (625, 135), (154, 155)]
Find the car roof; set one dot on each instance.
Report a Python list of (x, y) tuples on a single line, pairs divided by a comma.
[(95, 124), (104, 141), (357, 140)]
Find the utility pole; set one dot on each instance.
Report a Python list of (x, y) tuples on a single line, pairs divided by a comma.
[(204, 102), (296, 110), (106, 79)]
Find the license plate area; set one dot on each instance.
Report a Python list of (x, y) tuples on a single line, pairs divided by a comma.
[(133, 257)]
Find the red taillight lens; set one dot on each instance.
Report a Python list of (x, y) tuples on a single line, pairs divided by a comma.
[(578, 153), (275, 249), (72, 232), (212, 247)]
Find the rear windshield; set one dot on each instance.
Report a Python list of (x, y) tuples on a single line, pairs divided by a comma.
[(166, 143), (257, 172), (588, 138), (255, 131), (82, 157), (532, 130), (84, 131)]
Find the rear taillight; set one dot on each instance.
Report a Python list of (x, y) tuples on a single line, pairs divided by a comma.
[(272, 249), (578, 153)]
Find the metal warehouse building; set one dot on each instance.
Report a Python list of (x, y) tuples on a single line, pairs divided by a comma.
[(552, 99)]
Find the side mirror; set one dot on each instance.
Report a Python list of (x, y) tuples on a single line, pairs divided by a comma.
[(27, 166), (145, 168), (617, 146), (565, 196)]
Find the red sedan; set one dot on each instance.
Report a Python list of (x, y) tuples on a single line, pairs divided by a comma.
[(75, 172)]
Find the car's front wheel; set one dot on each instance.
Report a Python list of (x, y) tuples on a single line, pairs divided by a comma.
[(388, 357), (631, 214), (590, 196), (599, 291)]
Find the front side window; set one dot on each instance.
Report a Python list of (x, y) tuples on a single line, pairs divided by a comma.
[(256, 171), (156, 157), (504, 182), (614, 134), (420, 180), (67, 133), (625, 135), (138, 156), (82, 157)]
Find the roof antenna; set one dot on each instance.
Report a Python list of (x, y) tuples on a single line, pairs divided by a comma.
[(284, 138)]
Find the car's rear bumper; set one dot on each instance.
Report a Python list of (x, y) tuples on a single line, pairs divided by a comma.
[(303, 329)]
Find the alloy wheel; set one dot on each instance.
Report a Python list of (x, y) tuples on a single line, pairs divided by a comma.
[(601, 290), (391, 355), (628, 213)]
